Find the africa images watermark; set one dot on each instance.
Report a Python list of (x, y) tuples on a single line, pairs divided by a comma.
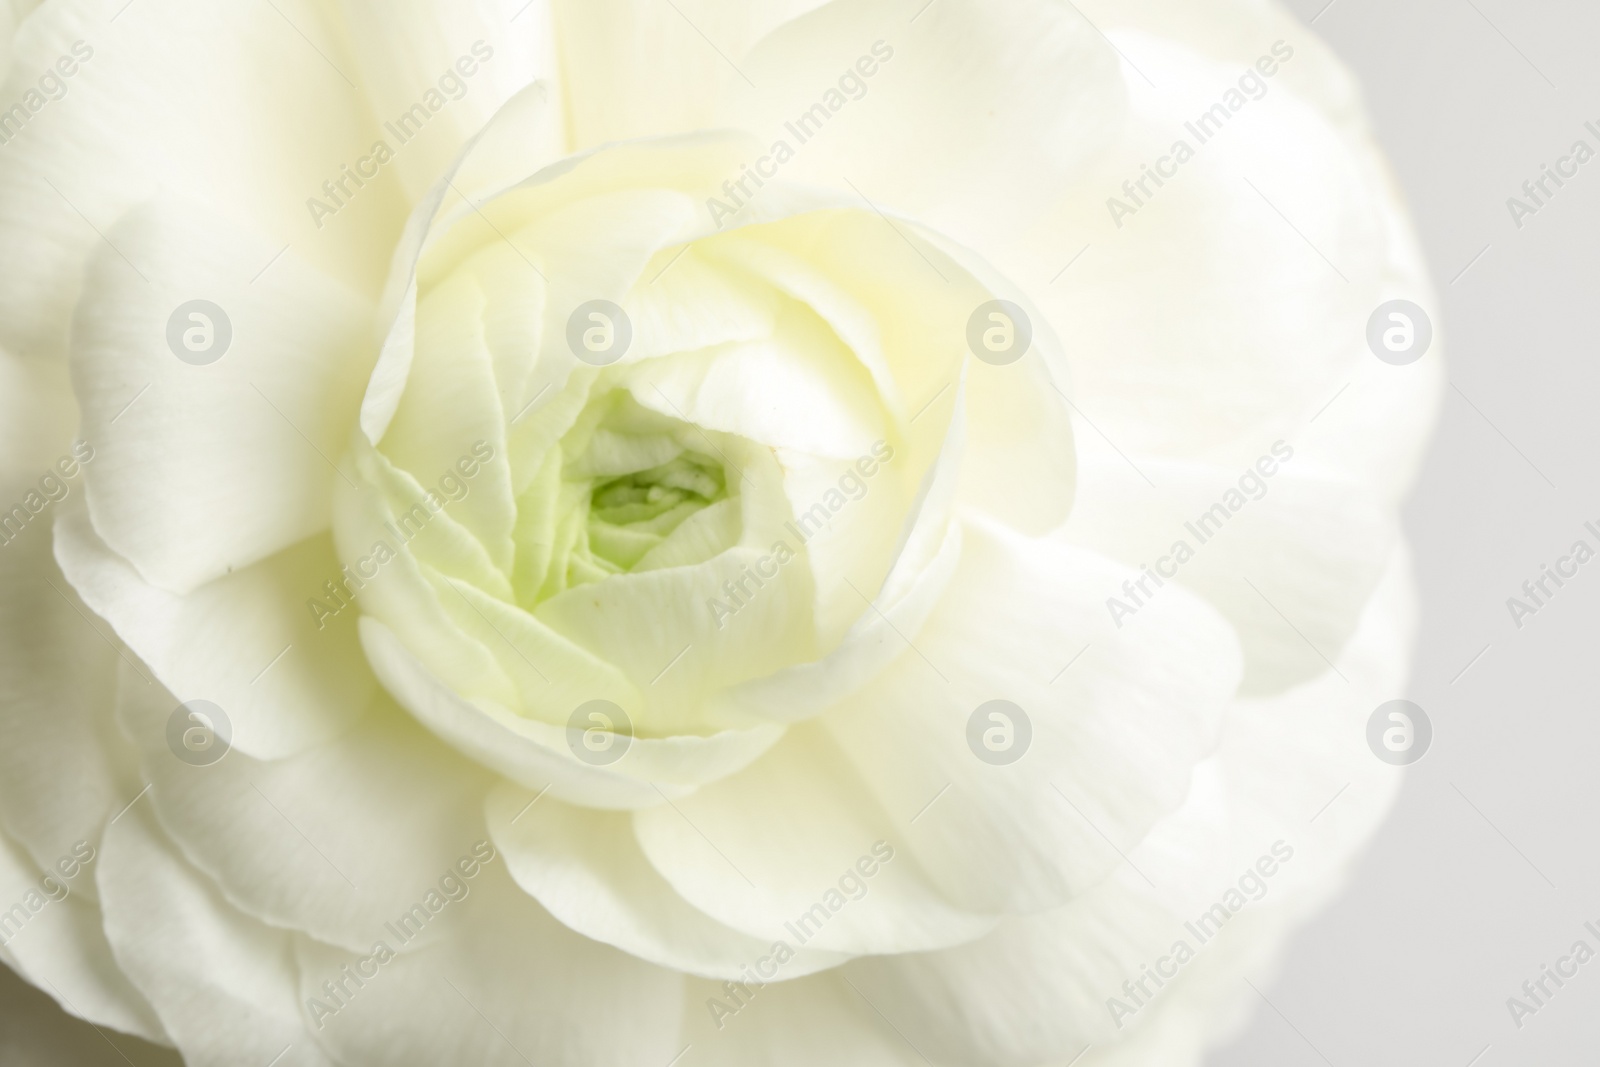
[(1565, 569), (1565, 969), (1203, 128), (1204, 527), (52, 86), (50, 889), (1566, 169), (54, 486), (453, 887), (452, 85), (1204, 929), (852, 85), (851, 886), (852, 486), (453, 487)]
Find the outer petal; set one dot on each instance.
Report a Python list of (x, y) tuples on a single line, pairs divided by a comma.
[(245, 642), (1118, 719), (635, 68), (998, 103), (790, 1024), (1036, 989), (155, 108), (459, 59), (1292, 569), (206, 469), (1262, 326), (223, 985), (505, 986), (764, 849), (58, 778), (586, 867), (50, 934), (330, 842)]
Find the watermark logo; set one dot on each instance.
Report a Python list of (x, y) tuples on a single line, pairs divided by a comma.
[(199, 332), (1252, 485), (999, 332), (1537, 992), (999, 732), (1137, 191), (51, 86), (851, 85), (1399, 732), (53, 487), (453, 886), (453, 486), (599, 332), (852, 885), (342, 188), (1399, 332), (1250, 887), (50, 889), (599, 732), (199, 733)]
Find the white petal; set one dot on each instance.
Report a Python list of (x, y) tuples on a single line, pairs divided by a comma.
[(50, 933), (1036, 989), (536, 754), (798, 1023), (206, 469), (245, 642), (324, 842), (223, 985), (634, 68), (1117, 720), (504, 985), (58, 666), (998, 103), (459, 59), (1291, 568), (585, 866), (772, 851), (154, 108)]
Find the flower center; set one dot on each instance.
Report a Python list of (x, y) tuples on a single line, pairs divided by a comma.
[(624, 490)]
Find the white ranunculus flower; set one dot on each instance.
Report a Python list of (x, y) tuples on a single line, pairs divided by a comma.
[(620, 532)]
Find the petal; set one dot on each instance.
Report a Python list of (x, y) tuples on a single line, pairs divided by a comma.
[(797, 1023), (1290, 558), (59, 779), (287, 679), (507, 985), (586, 868), (1117, 720), (51, 935), (536, 754), (204, 469), (773, 851), (325, 841), (460, 60), (223, 985), (1273, 322), (998, 102), (636, 69), (1036, 989), (322, 842), (154, 108)]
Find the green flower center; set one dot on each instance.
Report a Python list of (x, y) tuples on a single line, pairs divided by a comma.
[(624, 490)]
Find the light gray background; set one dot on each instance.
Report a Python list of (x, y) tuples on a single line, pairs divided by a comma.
[(1448, 912)]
